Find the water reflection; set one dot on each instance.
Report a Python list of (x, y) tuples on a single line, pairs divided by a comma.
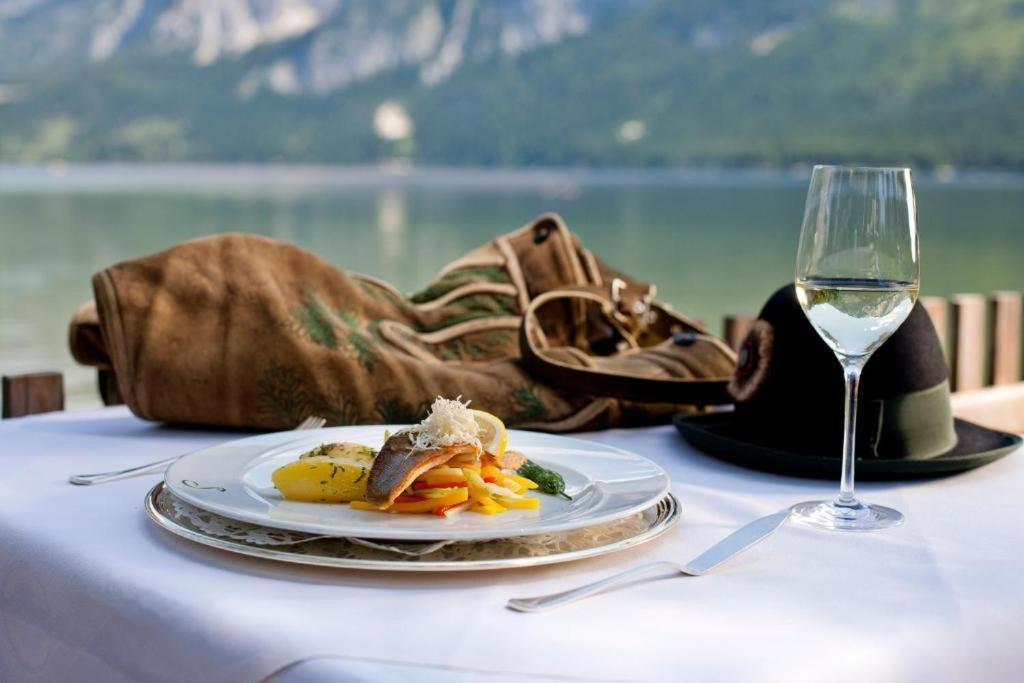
[(391, 219)]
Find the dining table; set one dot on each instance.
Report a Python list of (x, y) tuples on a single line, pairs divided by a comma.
[(92, 590)]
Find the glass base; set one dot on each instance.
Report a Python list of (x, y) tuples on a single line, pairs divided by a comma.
[(835, 516)]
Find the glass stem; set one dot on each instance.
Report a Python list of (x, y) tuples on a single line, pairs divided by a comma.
[(851, 370)]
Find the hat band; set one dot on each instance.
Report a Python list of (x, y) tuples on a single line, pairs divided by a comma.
[(913, 426)]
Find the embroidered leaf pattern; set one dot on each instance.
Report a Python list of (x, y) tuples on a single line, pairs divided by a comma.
[(314, 320), (381, 293), (288, 394), (497, 304), (453, 320), (320, 325), (282, 395), (394, 411), (362, 344), (287, 400), (340, 412), (475, 347), (457, 278), (531, 408)]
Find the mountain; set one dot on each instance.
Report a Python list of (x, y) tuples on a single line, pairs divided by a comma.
[(339, 42), (515, 82)]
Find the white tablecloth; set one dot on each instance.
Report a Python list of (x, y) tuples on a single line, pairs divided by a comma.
[(90, 590)]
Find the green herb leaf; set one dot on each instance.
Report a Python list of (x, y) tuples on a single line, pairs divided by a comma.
[(547, 481)]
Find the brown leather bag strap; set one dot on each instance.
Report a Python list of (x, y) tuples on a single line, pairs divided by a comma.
[(630, 387)]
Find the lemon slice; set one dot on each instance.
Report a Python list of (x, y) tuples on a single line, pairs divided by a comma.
[(493, 435)]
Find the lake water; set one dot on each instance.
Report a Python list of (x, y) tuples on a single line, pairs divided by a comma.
[(714, 243)]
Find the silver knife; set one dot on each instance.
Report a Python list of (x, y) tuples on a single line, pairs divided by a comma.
[(729, 547)]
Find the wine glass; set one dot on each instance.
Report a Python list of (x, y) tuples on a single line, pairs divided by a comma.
[(857, 276)]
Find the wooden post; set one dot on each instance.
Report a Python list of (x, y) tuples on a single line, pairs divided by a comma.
[(968, 347), (1004, 338), (736, 328), (41, 392), (936, 308), (996, 407)]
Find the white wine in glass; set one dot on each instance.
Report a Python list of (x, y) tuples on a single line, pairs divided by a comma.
[(857, 280), (855, 317)]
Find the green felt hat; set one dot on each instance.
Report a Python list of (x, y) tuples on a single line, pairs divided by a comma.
[(788, 419)]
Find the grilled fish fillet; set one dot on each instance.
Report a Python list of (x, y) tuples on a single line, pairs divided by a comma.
[(397, 465)]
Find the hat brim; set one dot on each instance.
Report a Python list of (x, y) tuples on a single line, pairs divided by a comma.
[(725, 437)]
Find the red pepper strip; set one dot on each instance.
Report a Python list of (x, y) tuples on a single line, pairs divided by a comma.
[(409, 499), (491, 480), (419, 485), (440, 511)]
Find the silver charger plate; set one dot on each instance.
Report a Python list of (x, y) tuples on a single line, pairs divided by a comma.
[(201, 526)]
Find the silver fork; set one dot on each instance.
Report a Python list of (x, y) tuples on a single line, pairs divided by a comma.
[(727, 548), (311, 422)]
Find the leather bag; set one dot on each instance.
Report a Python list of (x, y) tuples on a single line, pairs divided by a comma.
[(242, 331)]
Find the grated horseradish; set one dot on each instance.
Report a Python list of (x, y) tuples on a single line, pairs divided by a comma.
[(449, 422)]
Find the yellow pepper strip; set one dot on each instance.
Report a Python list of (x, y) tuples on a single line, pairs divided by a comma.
[(414, 508), (435, 493), (475, 483), (442, 473), (519, 503), (490, 471), (453, 497), (488, 509), (450, 512), (528, 483), (478, 492), (511, 484)]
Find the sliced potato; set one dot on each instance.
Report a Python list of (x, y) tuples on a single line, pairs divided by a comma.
[(343, 449), (324, 479)]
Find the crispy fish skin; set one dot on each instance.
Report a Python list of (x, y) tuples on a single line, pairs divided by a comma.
[(397, 465)]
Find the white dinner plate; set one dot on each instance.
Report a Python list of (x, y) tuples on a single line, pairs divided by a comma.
[(233, 480)]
